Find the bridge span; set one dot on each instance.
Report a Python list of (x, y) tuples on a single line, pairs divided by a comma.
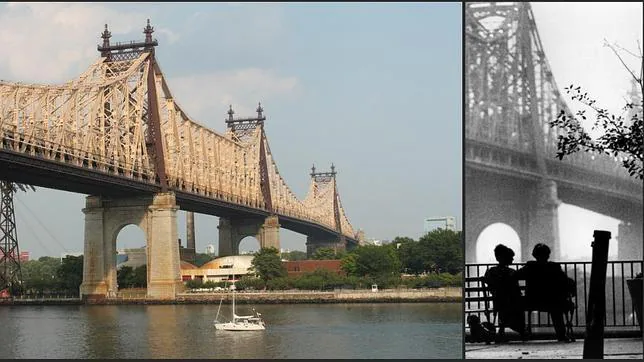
[(116, 134)]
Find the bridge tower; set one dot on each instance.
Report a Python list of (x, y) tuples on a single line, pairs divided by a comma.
[(321, 180), (507, 98), (232, 229), (512, 175), (105, 215), (10, 272)]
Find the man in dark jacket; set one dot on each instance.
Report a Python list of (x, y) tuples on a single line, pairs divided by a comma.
[(546, 288)]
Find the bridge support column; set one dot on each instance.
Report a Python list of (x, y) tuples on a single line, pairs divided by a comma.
[(104, 218), (269, 233), (95, 260), (629, 238), (233, 230), (544, 228), (314, 242), (164, 273)]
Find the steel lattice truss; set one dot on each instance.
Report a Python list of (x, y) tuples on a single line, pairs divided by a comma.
[(510, 91), (102, 121), (10, 272)]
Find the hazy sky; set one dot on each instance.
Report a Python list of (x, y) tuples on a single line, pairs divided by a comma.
[(572, 35), (374, 88)]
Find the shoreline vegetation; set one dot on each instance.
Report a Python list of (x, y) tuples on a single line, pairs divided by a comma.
[(425, 295)]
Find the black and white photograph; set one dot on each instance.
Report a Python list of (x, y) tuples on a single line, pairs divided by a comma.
[(553, 180)]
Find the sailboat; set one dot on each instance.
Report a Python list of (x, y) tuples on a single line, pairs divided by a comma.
[(240, 323)]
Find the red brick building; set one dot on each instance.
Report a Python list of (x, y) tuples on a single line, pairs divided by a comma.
[(299, 267)]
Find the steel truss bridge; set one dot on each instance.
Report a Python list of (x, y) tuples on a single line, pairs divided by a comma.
[(116, 130), (511, 172)]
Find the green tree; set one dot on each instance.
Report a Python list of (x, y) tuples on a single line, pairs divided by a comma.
[(412, 255), (623, 137), (125, 277), (267, 264), (40, 275), (443, 250), (373, 261), (70, 273), (348, 264), (294, 255), (324, 254), (140, 276)]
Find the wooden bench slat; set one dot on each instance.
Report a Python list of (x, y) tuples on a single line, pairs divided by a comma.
[(478, 299)]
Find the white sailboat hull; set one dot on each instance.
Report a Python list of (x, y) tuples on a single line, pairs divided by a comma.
[(239, 326)]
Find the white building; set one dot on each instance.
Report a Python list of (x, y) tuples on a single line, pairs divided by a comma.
[(225, 268), (443, 222), (210, 249)]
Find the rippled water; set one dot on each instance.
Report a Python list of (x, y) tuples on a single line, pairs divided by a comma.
[(383, 330)]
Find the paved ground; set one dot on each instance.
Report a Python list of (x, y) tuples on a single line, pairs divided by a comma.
[(614, 348)]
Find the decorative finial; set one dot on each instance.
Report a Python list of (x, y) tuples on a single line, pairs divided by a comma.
[(332, 168), (148, 30), (230, 112), (259, 110), (106, 35), (313, 170)]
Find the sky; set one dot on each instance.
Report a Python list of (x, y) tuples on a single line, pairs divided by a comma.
[(573, 37), (374, 88)]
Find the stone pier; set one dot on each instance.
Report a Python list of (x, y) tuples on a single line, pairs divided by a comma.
[(544, 226), (314, 242), (233, 230), (104, 219)]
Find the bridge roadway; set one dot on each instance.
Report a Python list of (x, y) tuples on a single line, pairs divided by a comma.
[(22, 168), (608, 194)]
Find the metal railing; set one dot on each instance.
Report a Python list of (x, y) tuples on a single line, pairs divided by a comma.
[(620, 308)]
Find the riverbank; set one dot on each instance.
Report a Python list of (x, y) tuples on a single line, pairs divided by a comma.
[(432, 295)]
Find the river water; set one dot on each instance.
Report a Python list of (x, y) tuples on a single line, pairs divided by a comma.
[(378, 330)]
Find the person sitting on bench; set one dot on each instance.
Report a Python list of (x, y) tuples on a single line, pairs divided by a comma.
[(546, 288), (506, 295)]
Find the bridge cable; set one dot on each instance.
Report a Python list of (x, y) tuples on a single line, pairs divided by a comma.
[(43, 226), (30, 229)]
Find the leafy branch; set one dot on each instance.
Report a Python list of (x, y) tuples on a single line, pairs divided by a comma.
[(622, 138)]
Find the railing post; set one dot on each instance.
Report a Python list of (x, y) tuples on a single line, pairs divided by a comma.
[(594, 339)]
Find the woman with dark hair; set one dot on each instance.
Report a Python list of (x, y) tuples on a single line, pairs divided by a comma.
[(546, 288), (506, 295)]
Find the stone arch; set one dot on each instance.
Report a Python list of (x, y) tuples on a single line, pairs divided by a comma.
[(104, 219), (494, 234), (250, 243), (135, 255)]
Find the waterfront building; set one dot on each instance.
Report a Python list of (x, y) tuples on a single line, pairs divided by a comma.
[(220, 269)]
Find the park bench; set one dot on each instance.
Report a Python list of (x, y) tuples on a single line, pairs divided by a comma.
[(478, 300)]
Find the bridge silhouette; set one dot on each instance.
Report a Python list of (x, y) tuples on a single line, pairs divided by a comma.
[(511, 173), (117, 134)]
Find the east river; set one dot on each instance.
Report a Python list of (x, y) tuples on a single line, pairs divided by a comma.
[(373, 330)]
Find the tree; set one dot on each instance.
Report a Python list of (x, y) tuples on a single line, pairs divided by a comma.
[(442, 250), (349, 264), (324, 254), (294, 255), (125, 277), (371, 260), (140, 278), (41, 275), (128, 277), (621, 138), (70, 273), (267, 264), (412, 255)]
